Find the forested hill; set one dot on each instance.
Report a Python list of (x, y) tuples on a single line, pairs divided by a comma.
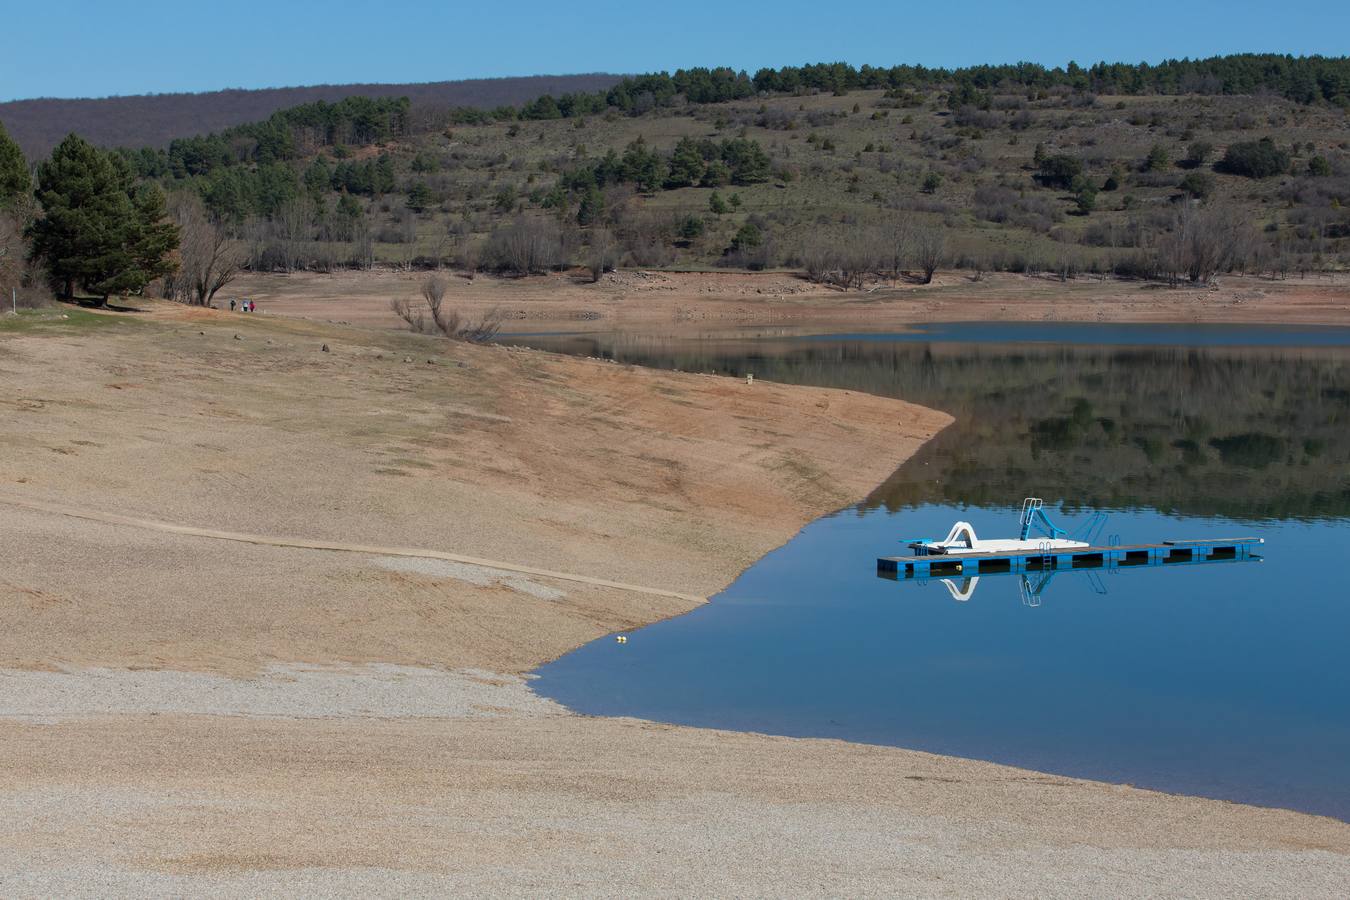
[(154, 119), (1179, 171)]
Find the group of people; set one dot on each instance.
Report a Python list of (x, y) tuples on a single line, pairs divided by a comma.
[(244, 306)]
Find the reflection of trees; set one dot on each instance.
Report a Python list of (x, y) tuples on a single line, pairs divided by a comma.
[(1239, 432)]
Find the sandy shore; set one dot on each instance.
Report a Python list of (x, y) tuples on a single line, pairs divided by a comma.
[(186, 711), (651, 302)]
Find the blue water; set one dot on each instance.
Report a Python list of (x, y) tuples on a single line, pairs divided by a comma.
[(1228, 680)]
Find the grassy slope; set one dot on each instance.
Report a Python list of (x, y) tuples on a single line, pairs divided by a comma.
[(831, 189)]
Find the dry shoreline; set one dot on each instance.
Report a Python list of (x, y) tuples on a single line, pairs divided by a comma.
[(675, 303), (185, 714)]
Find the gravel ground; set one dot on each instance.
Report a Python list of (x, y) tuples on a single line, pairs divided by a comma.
[(294, 691)]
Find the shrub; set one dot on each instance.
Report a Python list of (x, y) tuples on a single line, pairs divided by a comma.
[(1254, 159), (691, 227), (1197, 154), (1086, 196), (1059, 171), (747, 237), (1198, 185)]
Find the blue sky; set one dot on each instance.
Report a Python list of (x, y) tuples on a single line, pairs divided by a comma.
[(84, 49)]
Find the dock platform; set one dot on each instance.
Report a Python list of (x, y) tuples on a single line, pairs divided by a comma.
[(1106, 557)]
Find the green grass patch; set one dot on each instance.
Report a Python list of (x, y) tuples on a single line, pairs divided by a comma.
[(60, 319)]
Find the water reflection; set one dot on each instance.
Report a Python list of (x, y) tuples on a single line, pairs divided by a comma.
[(1227, 681), (1032, 586), (1250, 432)]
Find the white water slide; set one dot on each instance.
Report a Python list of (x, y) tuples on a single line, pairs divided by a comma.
[(962, 539)]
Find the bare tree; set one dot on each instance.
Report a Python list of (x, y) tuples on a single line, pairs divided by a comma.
[(209, 258), (897, 243), (602, 253), (822, 259), (525, 246), (1203, 242), (433, 317), (293, 225), (930, 246), (415, 316)]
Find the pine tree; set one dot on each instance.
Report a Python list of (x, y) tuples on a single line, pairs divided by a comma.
[(97, 231), (592, 208), (686, 164), (14, 180)]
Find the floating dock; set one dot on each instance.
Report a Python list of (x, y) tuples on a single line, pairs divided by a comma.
[(1049, 558)]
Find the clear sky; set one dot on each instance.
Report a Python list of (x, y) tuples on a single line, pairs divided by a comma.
[(82, 49)]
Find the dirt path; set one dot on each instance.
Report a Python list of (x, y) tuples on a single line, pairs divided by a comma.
[(302, 543)]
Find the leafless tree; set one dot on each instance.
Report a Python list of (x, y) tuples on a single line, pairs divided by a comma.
[(525, 246), (293, 226), (363, 246), (930, 246), (1204, 241), (821, 258), (859, 257), (468, 258), (433, 291), (432, 316), (415, 316), (897, 242), (209, 258), (602, 253)]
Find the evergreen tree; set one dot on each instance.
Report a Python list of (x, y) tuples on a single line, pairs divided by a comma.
[(384, 181), (96, 230), (152, 239), (747, 160), (643, 166), (1158, 159), (14, 180), (592, 208), (420, 197), (686, 164), (319, 178)]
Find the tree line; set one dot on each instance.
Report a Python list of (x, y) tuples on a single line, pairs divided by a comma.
[(87, 225), (286, 135), (1302, 79)]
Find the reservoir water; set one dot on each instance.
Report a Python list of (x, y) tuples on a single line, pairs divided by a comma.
[(1228, 680)]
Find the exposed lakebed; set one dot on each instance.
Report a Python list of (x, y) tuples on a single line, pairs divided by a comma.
[(1227, 680)]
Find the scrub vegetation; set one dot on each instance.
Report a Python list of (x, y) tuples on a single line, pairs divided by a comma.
[(1176, 172)]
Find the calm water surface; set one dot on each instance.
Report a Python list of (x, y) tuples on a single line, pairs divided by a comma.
[(1228, 680)]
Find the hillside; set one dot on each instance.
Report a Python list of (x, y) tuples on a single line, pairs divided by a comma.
[(154, 119), (1176, 172)]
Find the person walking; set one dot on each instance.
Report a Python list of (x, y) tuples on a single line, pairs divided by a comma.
[(231, 304)]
